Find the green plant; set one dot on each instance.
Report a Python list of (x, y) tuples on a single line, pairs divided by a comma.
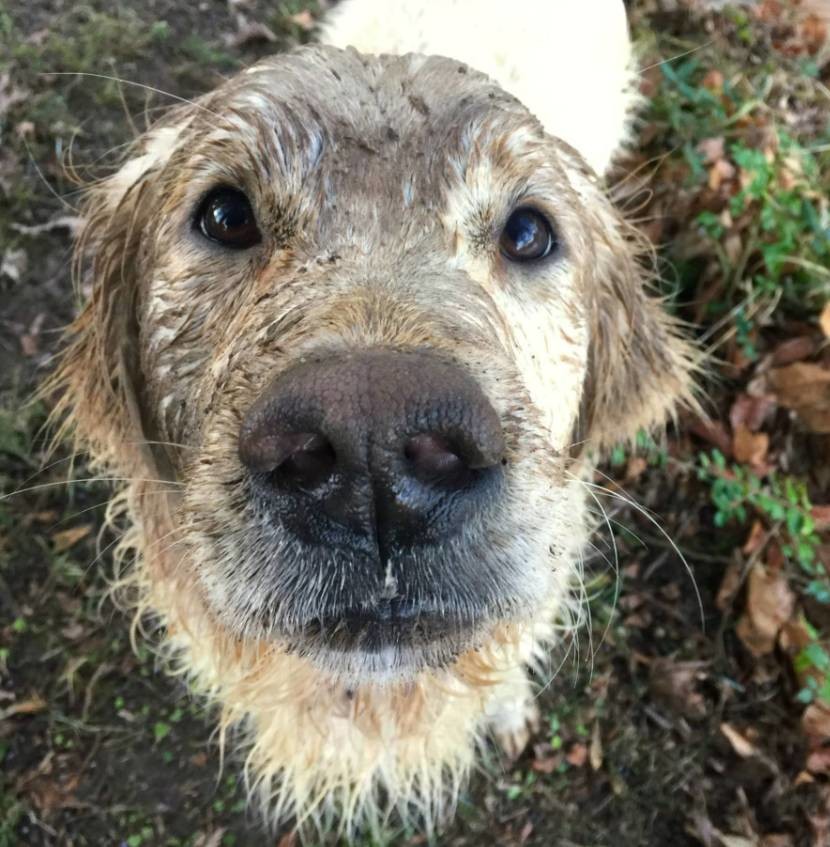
[(782, 502)]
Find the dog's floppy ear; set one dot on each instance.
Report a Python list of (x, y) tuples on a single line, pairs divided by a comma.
[(640, 366), (97, 381)]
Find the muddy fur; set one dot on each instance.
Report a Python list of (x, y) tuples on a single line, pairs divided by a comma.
[(380, 186)]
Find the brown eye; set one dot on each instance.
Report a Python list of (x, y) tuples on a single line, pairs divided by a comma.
[(527, 236), (226, 216)]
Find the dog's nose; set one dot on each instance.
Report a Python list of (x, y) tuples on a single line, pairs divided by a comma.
[(376, 450)]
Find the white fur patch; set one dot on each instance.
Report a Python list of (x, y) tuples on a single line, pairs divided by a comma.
[(569, 62)]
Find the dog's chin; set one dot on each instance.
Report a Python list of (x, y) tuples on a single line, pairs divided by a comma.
[(385, 645)]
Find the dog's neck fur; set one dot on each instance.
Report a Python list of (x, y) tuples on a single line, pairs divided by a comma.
[(354, 754)]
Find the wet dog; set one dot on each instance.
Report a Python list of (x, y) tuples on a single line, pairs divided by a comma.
[(358, 325)]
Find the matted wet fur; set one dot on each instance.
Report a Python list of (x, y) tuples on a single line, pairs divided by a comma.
[(380, 186)]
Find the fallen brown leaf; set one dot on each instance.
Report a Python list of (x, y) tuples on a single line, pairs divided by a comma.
[(750, 447), (751, 411), (777, 840), (805, 388), (739, 742), (32, 706), (674, 685), (67, 538), (577, 755), (816, 723), (712, 149), (730, 584), (714, 432), (595, 751), (251, 33), (794, 350), (824, 320), (713, 80), (304, 20), (769, 605), (818, 761)]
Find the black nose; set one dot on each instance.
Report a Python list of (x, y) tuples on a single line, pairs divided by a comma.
[(374, 450)]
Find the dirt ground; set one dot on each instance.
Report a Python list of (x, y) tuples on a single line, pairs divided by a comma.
[(672, 721)]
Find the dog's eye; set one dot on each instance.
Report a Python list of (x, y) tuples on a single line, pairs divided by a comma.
[(226, 216), (527, 235)]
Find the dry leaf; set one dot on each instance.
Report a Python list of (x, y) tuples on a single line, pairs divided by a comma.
[(750, 447), (818, 761), (816, 723), (635, 468), (804, 388), (755, 539), (67, 538), (714, 432), (720, 172), (769, 605), (824, 320), (251, 33), (736, 841), (751, 411), (304, 20), (577, 755), (713, 80), (25, 707), (794, 350), (712, 149), (813, 32), (730, 584), (740, 743), (595, 752), (49, 795), (10, 95), (674, 685), (544, 759)]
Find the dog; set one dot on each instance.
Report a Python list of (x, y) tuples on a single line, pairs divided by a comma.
[(360, 321)]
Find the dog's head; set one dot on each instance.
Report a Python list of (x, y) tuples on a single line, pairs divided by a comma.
[(367, 314)]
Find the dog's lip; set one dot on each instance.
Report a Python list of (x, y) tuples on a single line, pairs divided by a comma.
[(387, 622)]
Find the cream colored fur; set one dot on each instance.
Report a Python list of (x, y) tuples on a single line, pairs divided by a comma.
[(568, 61)]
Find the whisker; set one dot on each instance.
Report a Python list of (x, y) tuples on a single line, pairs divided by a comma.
[(141, 85), (688, 52), (616, 565), (45, 181), (45, 485), (95, 506), (652, 520)]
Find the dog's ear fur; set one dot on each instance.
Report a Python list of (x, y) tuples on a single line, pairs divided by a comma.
[(97, 379), (641, 367)]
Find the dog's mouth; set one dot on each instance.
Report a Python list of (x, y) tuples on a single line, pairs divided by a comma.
[(389, 623), (392, 638)]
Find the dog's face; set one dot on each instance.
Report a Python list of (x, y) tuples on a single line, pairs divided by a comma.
[(368, 314)]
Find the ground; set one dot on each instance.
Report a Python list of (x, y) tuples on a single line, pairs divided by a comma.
[(674, 719)]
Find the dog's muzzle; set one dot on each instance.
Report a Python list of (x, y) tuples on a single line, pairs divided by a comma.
[(382, 457)]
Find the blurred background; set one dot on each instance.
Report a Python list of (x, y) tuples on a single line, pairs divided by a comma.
[(657, 730)]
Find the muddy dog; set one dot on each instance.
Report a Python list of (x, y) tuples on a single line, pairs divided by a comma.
[(358, 325)]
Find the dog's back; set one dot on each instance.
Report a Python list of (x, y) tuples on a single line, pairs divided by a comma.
[(569, 62)]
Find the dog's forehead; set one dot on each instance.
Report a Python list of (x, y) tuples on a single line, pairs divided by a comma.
[(343, 95)]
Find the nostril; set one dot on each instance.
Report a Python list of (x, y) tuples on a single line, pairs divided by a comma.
[(433, 459), (309, 459), (303, 458)]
